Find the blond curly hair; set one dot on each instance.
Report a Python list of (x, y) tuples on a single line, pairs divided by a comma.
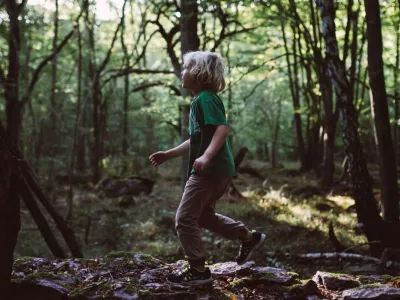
[(208, 68)]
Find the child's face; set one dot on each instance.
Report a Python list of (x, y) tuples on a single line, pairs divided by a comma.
[(188, 81)]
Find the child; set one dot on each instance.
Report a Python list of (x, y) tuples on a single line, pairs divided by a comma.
[(211, 167)]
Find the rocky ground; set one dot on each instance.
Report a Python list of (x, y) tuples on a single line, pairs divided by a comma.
[(126, 275)]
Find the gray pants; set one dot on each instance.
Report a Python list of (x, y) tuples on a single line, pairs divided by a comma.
[(197, 210)]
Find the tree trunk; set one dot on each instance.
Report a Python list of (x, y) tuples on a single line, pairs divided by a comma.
[(96, 172), (10, 222), (52, 135), (367, 211), (125, 114), (383, 137), (77, 124), (189, 42), (396, 93), (13, 106), (296, 105), (275, 137)]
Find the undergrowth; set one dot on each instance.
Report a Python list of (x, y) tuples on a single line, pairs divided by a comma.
[(146, 224)]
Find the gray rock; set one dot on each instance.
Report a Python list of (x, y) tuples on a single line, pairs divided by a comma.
[(121, 294), (302, 291), (53, 285), (154, 286), (230, 268), (276, 275), (335, 282), (372, 292)]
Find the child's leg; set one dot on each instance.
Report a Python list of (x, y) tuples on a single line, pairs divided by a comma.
[(219, 224), (230, 229), (196, 196)]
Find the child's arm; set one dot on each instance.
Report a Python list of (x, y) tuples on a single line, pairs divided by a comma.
[(162, 156), (179, 150), (218, 139)]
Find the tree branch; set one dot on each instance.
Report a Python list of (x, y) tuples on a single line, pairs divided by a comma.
[(229, 34), (40, 67), (157, 83), (130, 70), (107, 58), (170, 45)]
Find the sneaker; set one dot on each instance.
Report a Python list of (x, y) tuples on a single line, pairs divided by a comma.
[(191, 276), (247, 248)]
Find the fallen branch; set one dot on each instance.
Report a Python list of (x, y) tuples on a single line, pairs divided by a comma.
[(31, 186), (327, 255)]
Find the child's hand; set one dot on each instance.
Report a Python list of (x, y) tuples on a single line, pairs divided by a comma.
[(158, 158), (201, 163)]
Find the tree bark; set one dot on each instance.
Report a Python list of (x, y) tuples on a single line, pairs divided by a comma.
[(10, 222), (396, 93), (275, 137), (296, 105), (125, 114), (383, 137), (52, 135), (13, 106), (367, 211), (189, 42), (98, 109)]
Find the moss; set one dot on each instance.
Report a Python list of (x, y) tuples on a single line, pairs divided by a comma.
[(92, 289), (34, 277), (366, 280), (131, 289), (120, 254), (295, 287), (147, 258), (22, 262), (24, 259), (268, 275), (294, 274), (369, 286)]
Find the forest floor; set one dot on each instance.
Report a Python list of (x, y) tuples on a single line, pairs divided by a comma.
[(293, 224)]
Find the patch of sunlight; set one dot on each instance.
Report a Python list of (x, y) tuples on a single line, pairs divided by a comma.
[(277, 195), (145, 230), (342, 201), (349, 220)]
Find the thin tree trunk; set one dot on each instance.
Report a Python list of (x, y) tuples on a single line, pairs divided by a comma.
[(125, 114), (98, 109), (396, 93), (383, 138), (367, 211), (359, 65), (77, 124), (296, 105), (275, 137), (52, 135)]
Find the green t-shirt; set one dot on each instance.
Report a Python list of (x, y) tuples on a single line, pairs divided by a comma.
[(208, 109)]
